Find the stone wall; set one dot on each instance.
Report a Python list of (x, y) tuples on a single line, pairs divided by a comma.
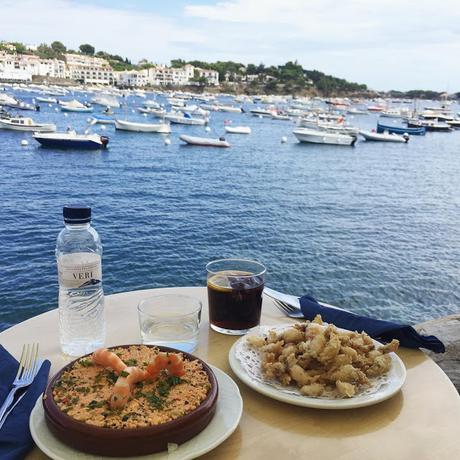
[(447, 329)]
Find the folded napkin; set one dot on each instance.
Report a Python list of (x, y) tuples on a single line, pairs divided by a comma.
[(15, 437), (378, 329)]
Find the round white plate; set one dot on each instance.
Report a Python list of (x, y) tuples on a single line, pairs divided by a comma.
[(396, 378), (228, 414)]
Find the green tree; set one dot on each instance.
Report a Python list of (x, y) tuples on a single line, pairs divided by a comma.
[(87, 49), (20, 48), (58, 47), (45, 52), (177, 63)]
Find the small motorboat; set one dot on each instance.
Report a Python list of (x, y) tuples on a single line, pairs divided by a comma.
[(124, 125), (48, 100), (72, 140), (26, 124), (455, 123), (280, 116), (184, 119), (228, 108), (420, 131), (101, 119), (204, 141), (75, 106), (429, 125), (314, 136), (262, 112), (238, 129), (106, 101), (384, 137)]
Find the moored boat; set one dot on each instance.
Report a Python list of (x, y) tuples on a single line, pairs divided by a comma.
[(124, 125), (417, 131), (72, 140), (102, 119), (184, 119), (49, 100), (204, 141), (26, 124), (75, 106), (384, 137), (314, 136), (238, 129), (429, 125)]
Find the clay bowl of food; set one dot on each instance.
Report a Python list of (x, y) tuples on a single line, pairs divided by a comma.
[(130, 400)]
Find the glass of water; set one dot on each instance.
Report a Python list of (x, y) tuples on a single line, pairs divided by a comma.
[(170, 320)]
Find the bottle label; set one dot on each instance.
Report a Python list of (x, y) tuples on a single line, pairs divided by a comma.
[(79, 269)]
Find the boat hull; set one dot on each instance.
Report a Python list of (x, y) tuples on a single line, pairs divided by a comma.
[(33, 128), (379, 137), (142, 127), (203, 141), (72, 141), (419, 131), (323, 137), (76, 109)]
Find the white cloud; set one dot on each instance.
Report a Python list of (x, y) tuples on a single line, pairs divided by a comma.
[(385, 44), (131, 33)]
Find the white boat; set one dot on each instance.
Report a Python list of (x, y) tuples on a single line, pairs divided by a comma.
[(101, 119), (74, 106), (279, 116), (123, 125), (204, 141), (106, 101), (49, 100), (238, 129), (314, 136), (355, 111), (338, 128), (228, 108), (151, 104), (72, 140), (26, 124), (384, 137), (159, 112), (262, 112), (184, 119)]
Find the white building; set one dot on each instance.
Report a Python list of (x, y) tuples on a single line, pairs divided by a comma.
[(89, 69), (160, 75), (212, 76), (22, 67)]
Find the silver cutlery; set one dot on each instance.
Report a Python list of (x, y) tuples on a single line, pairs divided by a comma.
[(8, 412), (288, 310), (29, 365), (290, 304)]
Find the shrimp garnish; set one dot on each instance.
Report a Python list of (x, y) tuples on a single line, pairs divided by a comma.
[(166, 361), (106, 358), (123, 387)]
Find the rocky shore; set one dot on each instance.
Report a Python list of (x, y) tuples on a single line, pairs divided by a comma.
[(446, 329)]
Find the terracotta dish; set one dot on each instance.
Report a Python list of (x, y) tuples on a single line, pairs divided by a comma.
[(122, 442)]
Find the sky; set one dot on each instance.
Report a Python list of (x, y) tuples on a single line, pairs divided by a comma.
[(386, 44)]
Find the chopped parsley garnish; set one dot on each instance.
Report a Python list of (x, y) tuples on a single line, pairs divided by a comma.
[(111, 376), (131, 362), (124, 374), (86, 362), (94, 404), (154, 400)]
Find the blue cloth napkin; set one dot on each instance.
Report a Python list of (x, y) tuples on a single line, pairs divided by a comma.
[(379, 329), (15, 437)]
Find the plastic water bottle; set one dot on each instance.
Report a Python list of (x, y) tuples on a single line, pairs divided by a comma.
[(81, 297)]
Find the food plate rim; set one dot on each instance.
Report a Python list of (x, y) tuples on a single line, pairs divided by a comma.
[(266, 389), (175, 455)]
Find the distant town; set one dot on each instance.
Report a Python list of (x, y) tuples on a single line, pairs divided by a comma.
[(55, 64)]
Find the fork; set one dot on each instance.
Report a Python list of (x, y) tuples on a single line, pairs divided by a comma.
[(288, 310), (28, 368)]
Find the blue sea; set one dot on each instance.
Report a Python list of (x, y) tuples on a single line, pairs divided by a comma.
[(373, 228)]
